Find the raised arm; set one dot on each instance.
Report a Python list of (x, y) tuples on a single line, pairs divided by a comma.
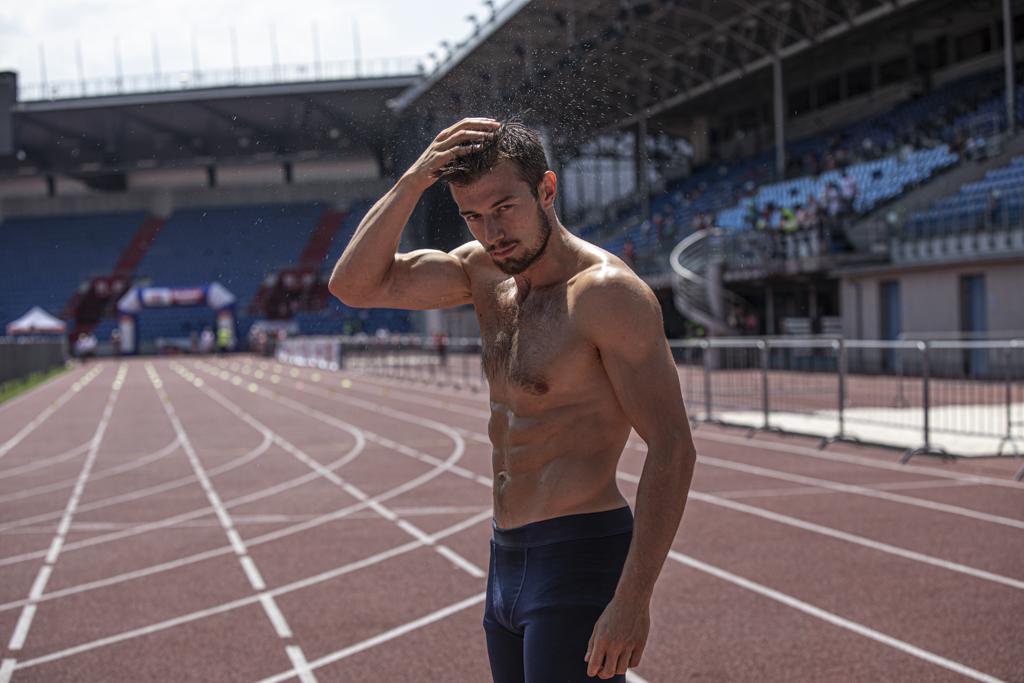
[(622, 318), (370, 274)]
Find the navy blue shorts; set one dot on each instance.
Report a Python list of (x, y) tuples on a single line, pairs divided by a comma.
[(548, 583)]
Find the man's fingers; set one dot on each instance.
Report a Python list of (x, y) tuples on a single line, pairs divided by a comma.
[(590, 648), (597, 653), (624, 660), (611, 660), (467, 124), (634, 660), (462, 136)]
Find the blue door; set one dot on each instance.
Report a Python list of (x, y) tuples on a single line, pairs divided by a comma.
[(892, 320), (974, 322)]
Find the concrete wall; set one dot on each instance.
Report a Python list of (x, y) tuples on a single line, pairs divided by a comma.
[(930, 299)]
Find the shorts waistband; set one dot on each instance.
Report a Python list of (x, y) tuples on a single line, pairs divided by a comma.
[(565, 528)]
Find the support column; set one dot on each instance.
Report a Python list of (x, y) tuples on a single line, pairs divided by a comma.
[(643, 179), (780, 116), (1011, 121)]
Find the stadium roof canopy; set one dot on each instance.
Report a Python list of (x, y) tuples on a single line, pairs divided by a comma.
[(99, 138), (597, 65)]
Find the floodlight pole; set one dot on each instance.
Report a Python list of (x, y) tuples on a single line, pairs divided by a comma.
[(1008, 66), (779, 116)]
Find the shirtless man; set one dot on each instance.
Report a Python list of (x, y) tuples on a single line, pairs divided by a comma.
[(575, 356)]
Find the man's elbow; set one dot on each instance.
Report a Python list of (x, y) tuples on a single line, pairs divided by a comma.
[(345, 293)]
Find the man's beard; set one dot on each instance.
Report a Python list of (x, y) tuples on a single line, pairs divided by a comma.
[(518, 265)]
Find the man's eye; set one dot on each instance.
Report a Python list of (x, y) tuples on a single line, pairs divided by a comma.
[(502, 209)]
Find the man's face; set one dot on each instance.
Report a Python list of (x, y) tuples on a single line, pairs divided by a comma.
[(505, 218)]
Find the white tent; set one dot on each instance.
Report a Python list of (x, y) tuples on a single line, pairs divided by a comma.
[(36, 321)]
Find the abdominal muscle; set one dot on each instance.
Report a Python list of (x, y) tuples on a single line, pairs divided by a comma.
[(555, 461)]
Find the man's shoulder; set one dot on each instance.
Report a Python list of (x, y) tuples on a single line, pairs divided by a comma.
[(611, 291)]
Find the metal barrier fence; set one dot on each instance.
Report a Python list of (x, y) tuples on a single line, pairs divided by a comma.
[(945, 398), (21, 356)]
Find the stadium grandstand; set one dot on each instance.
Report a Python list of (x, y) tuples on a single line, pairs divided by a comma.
[(769, 168)]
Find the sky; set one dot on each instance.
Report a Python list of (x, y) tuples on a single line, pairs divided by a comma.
[(386, 29)]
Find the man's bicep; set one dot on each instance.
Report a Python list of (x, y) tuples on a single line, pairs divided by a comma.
[(427, 278), (630, 337)]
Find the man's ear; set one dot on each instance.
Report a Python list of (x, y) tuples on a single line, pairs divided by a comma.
[(547, 190)]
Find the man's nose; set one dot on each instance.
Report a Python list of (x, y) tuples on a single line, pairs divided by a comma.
[(493, 233)]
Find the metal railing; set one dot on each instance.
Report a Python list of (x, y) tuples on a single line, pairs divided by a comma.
[(934, 397)]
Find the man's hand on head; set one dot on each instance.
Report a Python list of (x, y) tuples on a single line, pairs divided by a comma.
[(465, 136)]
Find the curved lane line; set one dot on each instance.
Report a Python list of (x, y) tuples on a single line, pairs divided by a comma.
[(42, 463), (136, 462), (47, 412)]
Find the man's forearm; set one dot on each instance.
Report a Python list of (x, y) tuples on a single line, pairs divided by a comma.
[(364, 264), (660, 500)]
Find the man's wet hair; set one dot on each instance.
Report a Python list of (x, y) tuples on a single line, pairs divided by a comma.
[(513, 141)]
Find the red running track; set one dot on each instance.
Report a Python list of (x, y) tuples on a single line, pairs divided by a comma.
[(239, 520)]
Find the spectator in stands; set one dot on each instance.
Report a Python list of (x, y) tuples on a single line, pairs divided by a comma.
[(833, 201), (789, 224), (994, 205), (848, 191)]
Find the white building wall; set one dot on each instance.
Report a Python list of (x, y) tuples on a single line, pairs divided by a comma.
[(930, 299)]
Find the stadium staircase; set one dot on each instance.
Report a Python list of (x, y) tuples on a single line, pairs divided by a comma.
[(300, 283), (95, 299), (697, 288)]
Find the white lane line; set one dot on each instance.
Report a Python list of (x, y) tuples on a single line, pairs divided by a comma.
[(831, 618), (256, 520), (816, 491), (396, 632), (790, 449), (167, 521), (135, 463), (54, 406), (40, 583), (860, 491), (255, 578), (21, 629), (277, 619), (300, 665), (143, 492), (253, 599), (847, 537), (438, 467), (42, 463), (851, 459), (7, 670), (354, 491)]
